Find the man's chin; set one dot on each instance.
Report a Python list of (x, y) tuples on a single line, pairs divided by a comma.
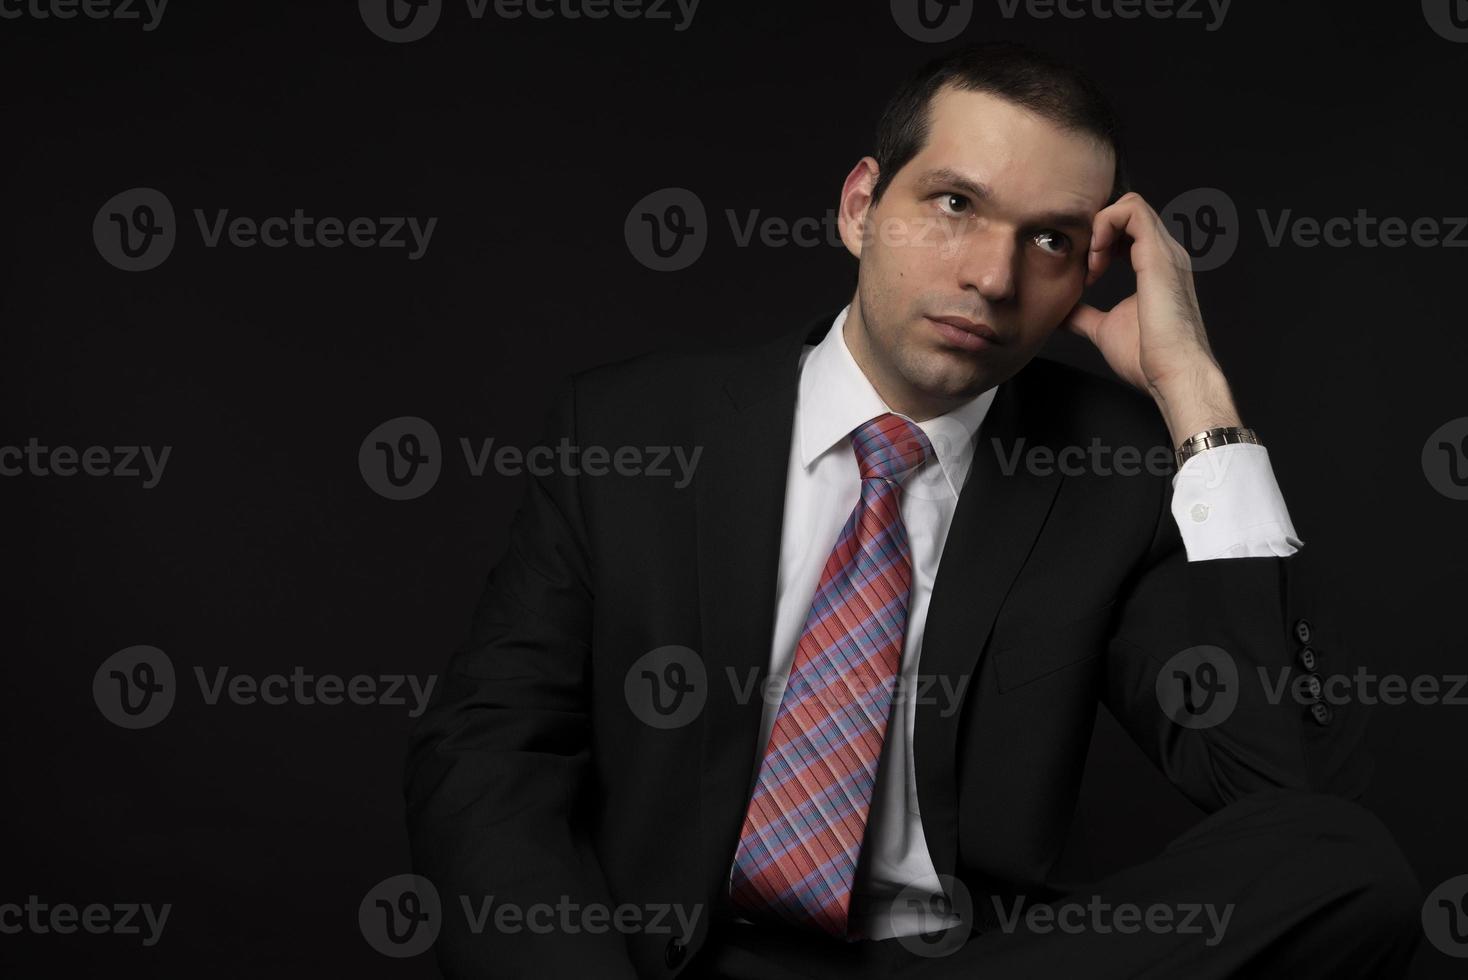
[(956, 376)]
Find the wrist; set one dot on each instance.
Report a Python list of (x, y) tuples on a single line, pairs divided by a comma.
[(1194, 401)]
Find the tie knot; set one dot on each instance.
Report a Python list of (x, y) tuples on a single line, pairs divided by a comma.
[(889, 447)]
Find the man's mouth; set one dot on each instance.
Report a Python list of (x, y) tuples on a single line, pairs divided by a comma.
[(966, 334)]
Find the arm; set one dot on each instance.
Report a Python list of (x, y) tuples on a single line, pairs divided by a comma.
[(500, 759), (1205, 653), (1202, 665)]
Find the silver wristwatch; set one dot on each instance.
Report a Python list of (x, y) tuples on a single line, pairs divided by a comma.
[(1208, 438)]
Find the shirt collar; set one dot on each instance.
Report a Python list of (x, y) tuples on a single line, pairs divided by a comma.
[(835, 397)]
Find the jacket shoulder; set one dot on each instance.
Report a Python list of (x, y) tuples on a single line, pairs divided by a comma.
[(668, 390)]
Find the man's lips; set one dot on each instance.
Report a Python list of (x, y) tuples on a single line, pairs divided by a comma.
[(963, 332)]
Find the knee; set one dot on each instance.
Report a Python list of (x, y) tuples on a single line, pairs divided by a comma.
[(1360, 863)]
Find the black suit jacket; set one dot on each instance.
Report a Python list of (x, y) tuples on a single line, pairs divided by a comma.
[(531, 779)]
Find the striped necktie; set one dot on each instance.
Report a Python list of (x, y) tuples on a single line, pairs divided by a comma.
[(802, 834)]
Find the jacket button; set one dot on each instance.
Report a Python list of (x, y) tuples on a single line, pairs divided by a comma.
[(1306, 657), (1320, 713), (1313, 687), (1302, 631), (673, 953)]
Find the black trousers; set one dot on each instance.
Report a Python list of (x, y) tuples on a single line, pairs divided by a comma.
[(1304, 886)]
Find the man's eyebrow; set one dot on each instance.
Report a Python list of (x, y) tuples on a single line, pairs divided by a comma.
[(945, 177), (942, 177)]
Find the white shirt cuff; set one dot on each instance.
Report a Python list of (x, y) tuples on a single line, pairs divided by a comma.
[(1227, 504)]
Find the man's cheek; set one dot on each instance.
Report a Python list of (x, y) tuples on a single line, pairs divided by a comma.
[(1052, 296), (1069, 289)]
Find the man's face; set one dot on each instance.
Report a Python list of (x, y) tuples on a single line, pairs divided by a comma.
[(989, 225)]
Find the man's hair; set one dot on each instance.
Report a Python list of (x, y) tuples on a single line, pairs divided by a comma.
[(1016, 73)]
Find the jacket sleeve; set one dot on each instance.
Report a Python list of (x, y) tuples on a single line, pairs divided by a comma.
[(1213, 668), (501, 760)]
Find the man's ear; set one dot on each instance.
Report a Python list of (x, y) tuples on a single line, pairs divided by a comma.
[(856, 203)]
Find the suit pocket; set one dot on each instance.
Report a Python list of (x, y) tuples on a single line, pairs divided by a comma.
[(1043, 650)]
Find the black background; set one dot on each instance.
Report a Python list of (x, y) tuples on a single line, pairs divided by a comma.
[(263, 548)]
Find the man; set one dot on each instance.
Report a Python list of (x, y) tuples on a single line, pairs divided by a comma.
[(832, 701)]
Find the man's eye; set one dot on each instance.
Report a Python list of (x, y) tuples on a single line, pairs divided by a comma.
[(947, 203), (1053, 242)]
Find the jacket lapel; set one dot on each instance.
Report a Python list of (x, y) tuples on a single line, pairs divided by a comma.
[(999, 516), (740, 503)]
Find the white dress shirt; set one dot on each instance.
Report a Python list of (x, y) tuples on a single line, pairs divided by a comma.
[(1226, 503)]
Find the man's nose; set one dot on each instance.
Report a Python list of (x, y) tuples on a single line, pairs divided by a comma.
[(987, 262)]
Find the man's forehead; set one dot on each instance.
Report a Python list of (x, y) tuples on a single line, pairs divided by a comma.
[(1016, 153)]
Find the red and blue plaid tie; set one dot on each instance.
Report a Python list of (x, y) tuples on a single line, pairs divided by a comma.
[(803, 831)]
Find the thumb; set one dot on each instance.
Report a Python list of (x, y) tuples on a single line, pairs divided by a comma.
[(1084, 319)]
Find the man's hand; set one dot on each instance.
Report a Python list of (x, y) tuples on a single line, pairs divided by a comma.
[(1155, 339)]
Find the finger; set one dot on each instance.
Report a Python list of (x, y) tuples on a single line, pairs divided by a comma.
[(1084, 319), (1133, 217), (1098, 261), (1108, 231), (1110, 222)]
